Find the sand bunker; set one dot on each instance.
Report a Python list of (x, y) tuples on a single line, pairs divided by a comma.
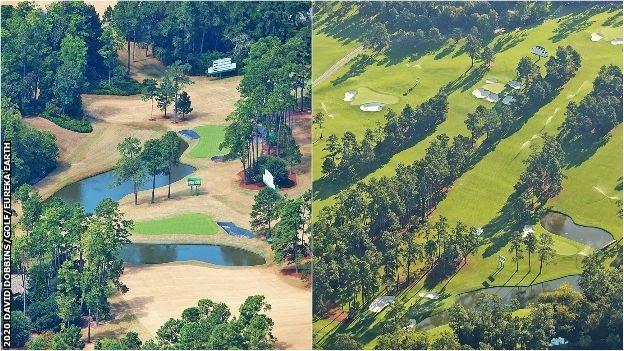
[(350, 95), (372, 107), (617, 41), (492, 98), (429, 294), (380, 303), (492, 80), (597, 36), (514, 84), (508, 100), (480, 93)]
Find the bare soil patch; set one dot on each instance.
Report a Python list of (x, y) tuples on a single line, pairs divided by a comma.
[(159, 292)]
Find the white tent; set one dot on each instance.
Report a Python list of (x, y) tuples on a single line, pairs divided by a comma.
[(514, 84), (597, 36), (480, 93), (557, 342), (411, 325), (507, 100), (350, 95), (617, 41), (372, 107), (492, 98), (380, 303), (479, 231), (539, 51)]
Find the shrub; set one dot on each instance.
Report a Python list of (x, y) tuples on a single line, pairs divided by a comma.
[(121, 85), (275, 165), (81, 125), (20, 329), (44, 315)]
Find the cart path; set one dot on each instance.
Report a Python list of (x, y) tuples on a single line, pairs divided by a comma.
[(336, 66)]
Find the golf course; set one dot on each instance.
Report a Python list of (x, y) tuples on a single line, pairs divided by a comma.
[(481, 195), (181, 243)]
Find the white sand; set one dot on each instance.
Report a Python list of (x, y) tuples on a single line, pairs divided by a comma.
[(372, 107), (480, 93), (508, 100), (617, 41), (349, 95), (380, 303), (596, 36)]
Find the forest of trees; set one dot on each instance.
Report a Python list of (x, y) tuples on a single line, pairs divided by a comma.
[(196, 33), (209, 326), (428, 24), (69, 263), (276, 80)]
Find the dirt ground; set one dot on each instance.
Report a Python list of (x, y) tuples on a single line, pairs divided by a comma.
[(159, 292)]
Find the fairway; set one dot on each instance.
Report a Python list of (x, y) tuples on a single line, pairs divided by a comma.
[(210, 137), (479, 196), (191, 223)]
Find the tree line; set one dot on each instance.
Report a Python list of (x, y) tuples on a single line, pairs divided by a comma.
[(293, 223), (396, 25), (68, 263), (598, 112), (260, 129), (169, 92), (347, 157), (196, 33), (208, 326)]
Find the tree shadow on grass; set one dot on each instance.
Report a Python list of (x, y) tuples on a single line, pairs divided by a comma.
[(615, 20), (359, 65), (578, 152), (509, 40), (574, 23), (446, 50), (466, 80)]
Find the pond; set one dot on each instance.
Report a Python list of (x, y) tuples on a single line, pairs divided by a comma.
[(90, 191), (559, 223), (138, 254), (189, 133), (524, 294)]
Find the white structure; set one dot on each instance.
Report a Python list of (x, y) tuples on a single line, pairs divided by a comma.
[(539, 51), (492, 98), (350, 95), (508, 100), (380, 303), (491, 80), (222, 65), (267, 178), (557, 342), (411, 325), (617, 41), (372, 107), (480, 93), (528, 229), (429, 294), (514, 84), (597, 36), (479, 231)]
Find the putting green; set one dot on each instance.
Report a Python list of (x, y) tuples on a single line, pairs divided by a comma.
[(210, 137), (365, 95), (190, 223)]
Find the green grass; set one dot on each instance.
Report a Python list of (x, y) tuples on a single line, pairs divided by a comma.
[(329, 50), (210, 137), (365, 95), (191, 223), (479, 196)]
